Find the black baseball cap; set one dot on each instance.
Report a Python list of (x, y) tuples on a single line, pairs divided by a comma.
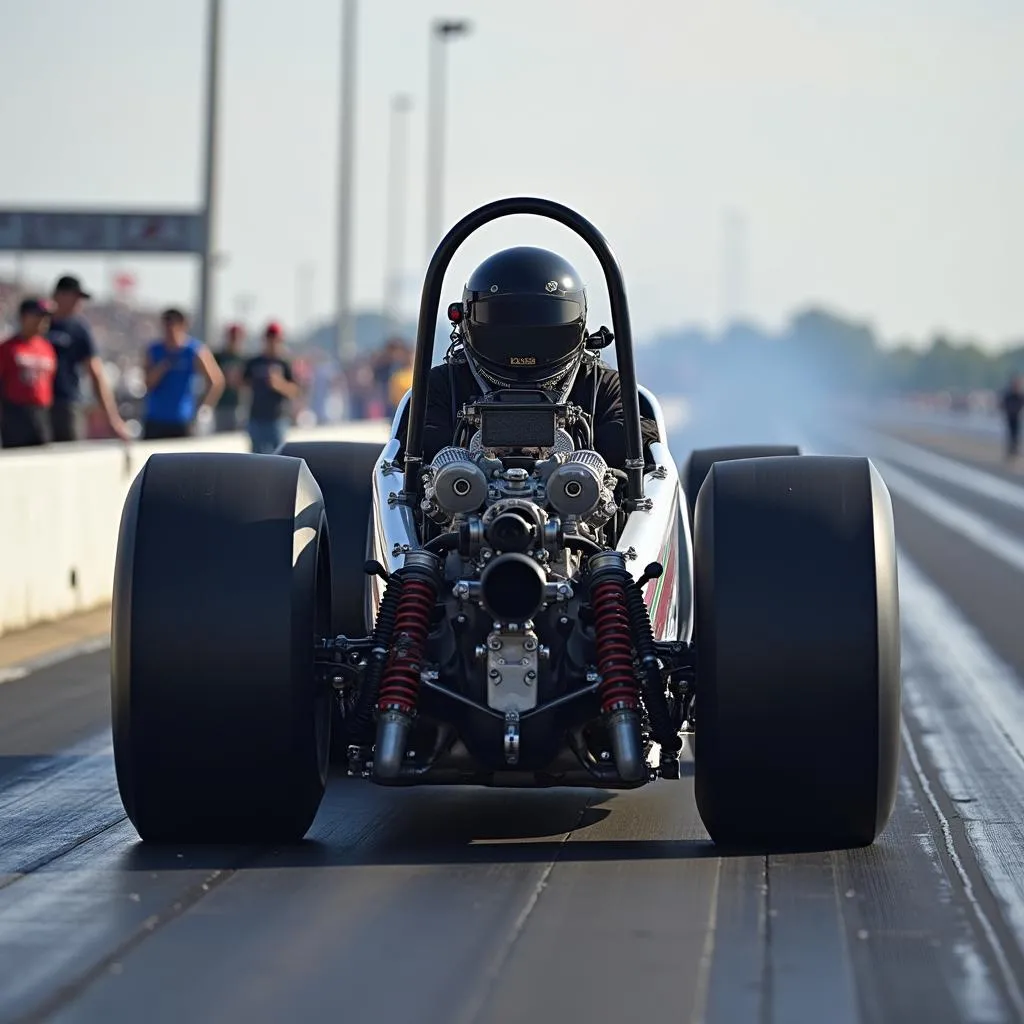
[(173, 316), (34, 307), (71, 284)]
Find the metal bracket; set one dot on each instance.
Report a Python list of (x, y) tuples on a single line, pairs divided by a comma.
[(638, 504), (511, 737), (512, 669)]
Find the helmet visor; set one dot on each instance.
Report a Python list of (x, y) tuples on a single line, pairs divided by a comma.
[(525, 311)]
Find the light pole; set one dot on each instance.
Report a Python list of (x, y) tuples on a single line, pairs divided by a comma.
[(346, 135), (734, 266), (441, 32), (304, 273), (207, 262), (395, 238)]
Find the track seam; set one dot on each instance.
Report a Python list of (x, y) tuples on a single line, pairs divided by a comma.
[(109, 963), (989, 930), (44, 861), (475, 1006), (702, 988), (765, 930)]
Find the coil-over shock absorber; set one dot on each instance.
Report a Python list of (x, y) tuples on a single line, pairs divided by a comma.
[(400, 684), (618, 690)]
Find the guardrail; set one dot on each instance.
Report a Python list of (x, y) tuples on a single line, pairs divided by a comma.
[(60, 508)]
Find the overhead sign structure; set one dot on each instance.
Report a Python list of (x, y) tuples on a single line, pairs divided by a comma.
[(156, 231)]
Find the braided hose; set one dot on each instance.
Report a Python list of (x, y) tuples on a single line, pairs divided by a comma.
[(654, 691), (383, 631)]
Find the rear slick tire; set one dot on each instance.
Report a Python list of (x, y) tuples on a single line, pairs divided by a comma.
[(343, 471), (699, 464), (222, 583), (798, 653)]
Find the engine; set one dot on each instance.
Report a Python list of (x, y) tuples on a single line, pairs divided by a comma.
[(512, 533), (519, 528), (515, 635)]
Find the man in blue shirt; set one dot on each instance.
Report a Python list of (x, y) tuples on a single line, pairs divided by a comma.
[(172, 365), (73, 342)]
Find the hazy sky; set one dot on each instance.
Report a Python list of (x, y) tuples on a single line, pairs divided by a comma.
[(874, 149)]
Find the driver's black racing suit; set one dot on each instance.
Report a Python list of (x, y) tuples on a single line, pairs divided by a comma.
[(608, 425)]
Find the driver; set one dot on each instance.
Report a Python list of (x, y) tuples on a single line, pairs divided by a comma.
[(524, 325)]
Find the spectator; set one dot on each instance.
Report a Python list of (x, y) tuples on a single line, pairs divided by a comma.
[(1012, 403), (73, 342), (171, 367), (28, 365), (400, 380), (272, 382), (232, 365)]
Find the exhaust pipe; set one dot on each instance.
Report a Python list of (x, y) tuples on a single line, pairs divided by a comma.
[(627, 748)]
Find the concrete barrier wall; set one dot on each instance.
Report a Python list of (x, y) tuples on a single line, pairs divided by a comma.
[(60, 509)]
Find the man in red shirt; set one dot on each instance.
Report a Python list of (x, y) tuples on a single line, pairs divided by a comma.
[(28, 364)]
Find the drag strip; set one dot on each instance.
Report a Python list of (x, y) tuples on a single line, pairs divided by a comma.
[(475, 906)]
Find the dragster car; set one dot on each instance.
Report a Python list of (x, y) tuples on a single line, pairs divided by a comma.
[(511, 612)]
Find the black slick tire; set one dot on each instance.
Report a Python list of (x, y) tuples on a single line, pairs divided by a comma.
[(344, 472), (798, 653), (698, 465), (222, 583)]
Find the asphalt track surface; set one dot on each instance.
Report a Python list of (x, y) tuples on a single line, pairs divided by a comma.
[(461, 906)]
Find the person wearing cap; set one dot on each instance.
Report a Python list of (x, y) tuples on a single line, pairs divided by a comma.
[(73, 342), (232, 365), (271, 381), (28, 365), (172, 364)]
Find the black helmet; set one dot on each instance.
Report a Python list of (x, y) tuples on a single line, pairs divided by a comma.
[(525, 318)]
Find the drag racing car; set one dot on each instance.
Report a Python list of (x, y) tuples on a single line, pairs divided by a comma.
[(511, 611)]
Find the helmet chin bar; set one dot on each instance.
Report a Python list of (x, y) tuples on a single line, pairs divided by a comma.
[(560, 384)]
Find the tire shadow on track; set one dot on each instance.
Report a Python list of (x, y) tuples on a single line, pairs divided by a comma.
[(357, 828)]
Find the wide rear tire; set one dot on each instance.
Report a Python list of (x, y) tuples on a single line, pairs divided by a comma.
[(222, 582), (344, 472), (798, 653), (699, 464)]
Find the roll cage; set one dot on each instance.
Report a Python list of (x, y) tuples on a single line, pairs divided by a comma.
[(430, 301)]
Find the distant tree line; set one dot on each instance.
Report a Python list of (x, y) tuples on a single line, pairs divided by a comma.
[(824, 351)]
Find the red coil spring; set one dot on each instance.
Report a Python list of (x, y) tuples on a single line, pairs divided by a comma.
[(400, 684), (614, 646)]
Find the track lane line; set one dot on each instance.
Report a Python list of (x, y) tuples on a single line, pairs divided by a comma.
[(967, 709), (939, 467), (991, 935), (21, 670), (707, 956), (981, 532)]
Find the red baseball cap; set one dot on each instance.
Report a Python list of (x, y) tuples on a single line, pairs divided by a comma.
[(274, 329), (234, 330)]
